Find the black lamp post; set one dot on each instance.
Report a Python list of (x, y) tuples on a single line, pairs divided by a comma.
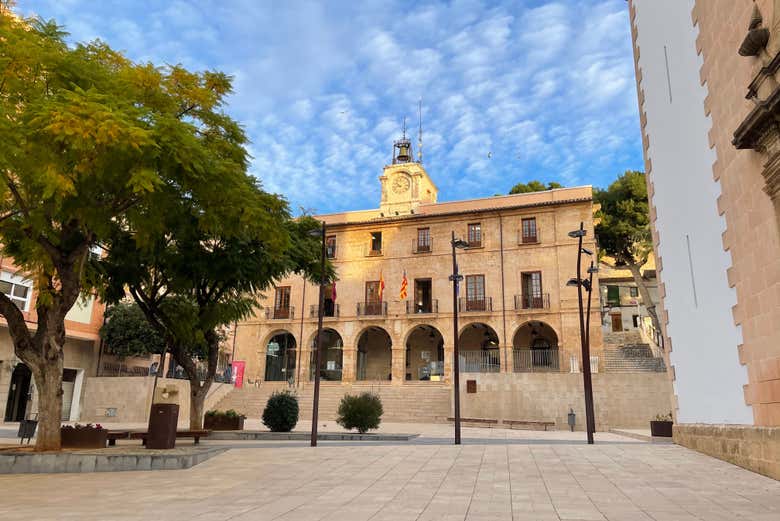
[(584, 333), (456, 278), (318, 355)]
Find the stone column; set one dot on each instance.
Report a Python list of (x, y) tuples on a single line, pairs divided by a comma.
[(349, 364), (398, 365)]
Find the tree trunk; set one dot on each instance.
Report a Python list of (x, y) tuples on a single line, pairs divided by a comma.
[(647, 300), (48, 382), (198, 394)]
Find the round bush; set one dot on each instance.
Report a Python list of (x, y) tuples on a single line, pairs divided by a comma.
[(281, 412), (361, 412)]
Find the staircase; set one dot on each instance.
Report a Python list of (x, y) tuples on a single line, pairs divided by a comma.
[(412, 402), (633, 358)]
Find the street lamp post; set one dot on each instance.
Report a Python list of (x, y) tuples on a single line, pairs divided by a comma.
[(318, 355), (456, 278), (590, 422)]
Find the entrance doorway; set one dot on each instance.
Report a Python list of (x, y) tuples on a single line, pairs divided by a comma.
[(18, 393), (280, 357), (617, 322), (374, 355), (423, 303), (425, 354)]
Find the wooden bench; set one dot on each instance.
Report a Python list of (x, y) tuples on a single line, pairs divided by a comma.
[(481, 421), (527, 423), (196, 435), (112, 436)]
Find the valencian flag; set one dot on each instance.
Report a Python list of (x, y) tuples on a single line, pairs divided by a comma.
[(381, 285), (404, 284)]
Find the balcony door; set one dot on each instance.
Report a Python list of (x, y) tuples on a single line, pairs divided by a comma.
[(475, 293), (373, 300), (282, 302), (423, 302), (532, 290)]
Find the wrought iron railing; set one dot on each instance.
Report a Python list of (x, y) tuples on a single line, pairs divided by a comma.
[(532, 301), (422, 245), (287, 313), (328, 310), (536, 360), (466, 304), (480, 361), (419, 308), (371, 309)]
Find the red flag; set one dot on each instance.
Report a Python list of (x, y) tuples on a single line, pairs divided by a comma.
[(404, 285), (381, 285)]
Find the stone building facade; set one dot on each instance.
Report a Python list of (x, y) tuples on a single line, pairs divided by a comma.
[(516, 313), (707, 79)]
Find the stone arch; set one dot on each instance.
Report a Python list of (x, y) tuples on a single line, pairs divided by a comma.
[(424, 354), (535, 347), (479, 349), (280, 356), (374, 354), (332, 360)]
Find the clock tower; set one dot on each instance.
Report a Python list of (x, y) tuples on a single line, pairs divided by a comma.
[(405, 183)]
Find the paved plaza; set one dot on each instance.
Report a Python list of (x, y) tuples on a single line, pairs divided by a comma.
[(495, 475)]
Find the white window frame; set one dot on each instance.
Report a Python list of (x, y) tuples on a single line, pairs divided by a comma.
[(16, 280)]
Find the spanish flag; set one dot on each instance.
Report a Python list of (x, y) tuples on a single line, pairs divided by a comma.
[(381, 285), (404, 284)]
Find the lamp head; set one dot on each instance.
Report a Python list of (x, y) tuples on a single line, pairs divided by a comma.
[(460, 243), (593, 269), (573, 282), (577, 233), (586, 251), (586, 285)]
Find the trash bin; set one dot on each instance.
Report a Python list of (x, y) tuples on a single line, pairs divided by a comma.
[(27, 430), (162, 426)]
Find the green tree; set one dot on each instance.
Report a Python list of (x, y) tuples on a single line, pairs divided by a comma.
[(205, 267), (88, 137), (533, 186), (623, 229), (126, 332)]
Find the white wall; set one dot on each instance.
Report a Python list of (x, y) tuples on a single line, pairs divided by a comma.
[(709, 377)]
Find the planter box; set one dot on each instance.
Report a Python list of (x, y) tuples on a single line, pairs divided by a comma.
[(223, 423), (661, 428), (83, 438)]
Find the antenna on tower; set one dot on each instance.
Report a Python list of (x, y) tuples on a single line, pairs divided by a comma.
[(404, 136), (419, 139)]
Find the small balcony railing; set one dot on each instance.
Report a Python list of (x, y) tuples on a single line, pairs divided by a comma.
[(370, 251), (480, 361), (532, 301), (366, 309), (422, 246), (528, 238), (476, 243), (287, 313), (420, 308), (536, 360), (475, 305), (329, 310)]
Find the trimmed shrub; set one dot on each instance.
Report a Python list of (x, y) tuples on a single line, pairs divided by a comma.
[(281, 411), (361, 412)]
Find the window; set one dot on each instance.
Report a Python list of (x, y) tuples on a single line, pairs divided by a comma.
[(17, 289), (613, 295), (635, 320), (373, 304), (475, 293), (282, 302), (529, 230), (376, 243), (422, 296), (634, 291), (532, 290), (328, 304), (423, 240), (330, 246), (475, 235)]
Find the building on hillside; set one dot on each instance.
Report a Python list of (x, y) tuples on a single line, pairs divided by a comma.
[(517, 317), (17, 388), (624, 316), (707, 78)]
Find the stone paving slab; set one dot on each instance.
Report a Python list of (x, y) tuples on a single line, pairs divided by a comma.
[(520, 475), (306, 436)]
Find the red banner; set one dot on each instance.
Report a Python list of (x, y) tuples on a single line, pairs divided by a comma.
[(238, 372)]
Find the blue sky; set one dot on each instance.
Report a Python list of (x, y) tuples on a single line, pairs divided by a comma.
[(546, 87)]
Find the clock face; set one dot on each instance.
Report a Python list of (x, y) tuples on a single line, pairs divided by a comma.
[(401, 184)]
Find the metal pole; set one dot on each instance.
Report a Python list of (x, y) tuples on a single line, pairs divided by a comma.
[(588, 385), (318, 356), (590, 414), (455, 350)]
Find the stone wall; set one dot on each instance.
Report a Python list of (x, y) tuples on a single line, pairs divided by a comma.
[(754, 448), (131, 397), (628, 400)]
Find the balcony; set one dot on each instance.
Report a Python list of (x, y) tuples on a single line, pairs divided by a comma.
[(532, 302), (417, 308), (287, 313), (371, 309), (329, 310), (480, 361), (528, 238), (422, 246), (371, 251), (536, 360), (466, 305), (475, 243)]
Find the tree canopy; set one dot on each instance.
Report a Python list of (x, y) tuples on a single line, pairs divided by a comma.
[(533, 186), (126, 332), (623, 227)]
